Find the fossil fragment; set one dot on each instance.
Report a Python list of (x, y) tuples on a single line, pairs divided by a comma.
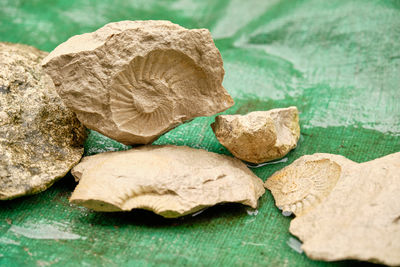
[(303, 185), (169, 180), (135, 80), (259, 136), (354, 211), (40, 139)]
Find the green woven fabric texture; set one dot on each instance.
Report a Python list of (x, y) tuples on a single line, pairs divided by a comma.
[(337, 61)]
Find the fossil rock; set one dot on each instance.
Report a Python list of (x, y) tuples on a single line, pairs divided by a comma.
[(259, 136), (135, 80), (40, 139), (169, 180), (345, 210), (304, 184)]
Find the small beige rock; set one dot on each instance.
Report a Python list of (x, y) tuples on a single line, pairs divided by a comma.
[(259, 136), (169, 180), (40, 138), (135, 80), (345, 210)]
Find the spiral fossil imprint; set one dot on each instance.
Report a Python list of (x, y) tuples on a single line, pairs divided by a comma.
[(297, 190), (135, 80), (172, 181), (344, 209), (154, 89)]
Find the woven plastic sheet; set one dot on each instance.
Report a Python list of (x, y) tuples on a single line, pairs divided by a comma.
[(337, 61)]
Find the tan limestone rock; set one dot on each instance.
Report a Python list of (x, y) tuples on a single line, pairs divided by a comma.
[(135, 80), (345, 210), (40, 139), (259, 136), (169, 180)]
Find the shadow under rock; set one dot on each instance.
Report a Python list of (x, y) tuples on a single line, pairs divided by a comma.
[(227, 212)]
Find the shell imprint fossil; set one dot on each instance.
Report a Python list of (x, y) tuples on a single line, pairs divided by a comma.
[(354, 210), (298, 190), (40, 139), (259, 136), (169, 180), (135, 80)]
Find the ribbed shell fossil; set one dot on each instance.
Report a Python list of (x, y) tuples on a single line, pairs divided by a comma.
[(360, 216), (297, 189), (40, 139), (150, 90), (169, 180), (135, 80), (259, 136)]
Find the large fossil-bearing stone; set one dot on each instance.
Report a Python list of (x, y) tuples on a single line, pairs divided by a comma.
[(344, 210), (135, 80), (40, 139), (259, 136), (169, 180)]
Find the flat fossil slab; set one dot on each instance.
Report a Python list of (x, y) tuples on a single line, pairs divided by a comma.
[(169, 180), (135, 80), (40, 139), (345, 210), (259, 136)]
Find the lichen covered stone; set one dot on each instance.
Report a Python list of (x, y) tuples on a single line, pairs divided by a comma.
[(169, 180), (40, 139), (344, 210), (259, 136), (135, 80)]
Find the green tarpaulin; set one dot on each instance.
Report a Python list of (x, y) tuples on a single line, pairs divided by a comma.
[(337, 61)]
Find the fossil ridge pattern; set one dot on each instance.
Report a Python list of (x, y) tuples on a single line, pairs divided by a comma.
[(169, 180), (355, 212), (296, 190), (135, 80)]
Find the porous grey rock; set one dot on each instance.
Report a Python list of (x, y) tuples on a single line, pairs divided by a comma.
[(135, 80), (344, 210), (40, 139), (259, 136), (169, 180)]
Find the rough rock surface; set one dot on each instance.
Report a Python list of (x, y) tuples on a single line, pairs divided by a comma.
[(259, 136), (135, 80), (169, 180), (345, 210), (40, 139)]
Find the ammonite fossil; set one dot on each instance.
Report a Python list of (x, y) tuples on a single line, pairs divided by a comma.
[(135, 80), (169, 180), (298, 189), (344, 209)]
